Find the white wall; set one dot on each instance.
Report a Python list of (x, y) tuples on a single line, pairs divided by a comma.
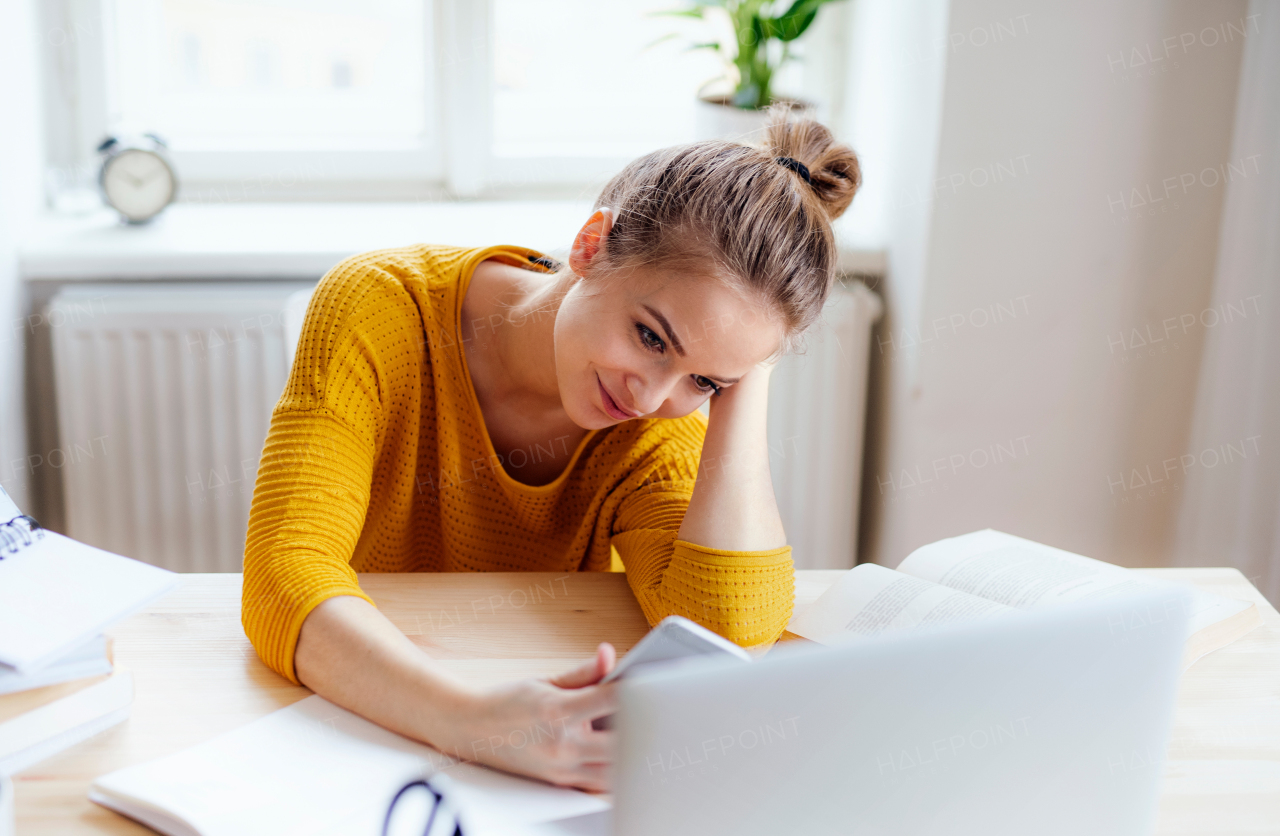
[(1230, 510), (896, 68), (20, 198), (1014, 391)]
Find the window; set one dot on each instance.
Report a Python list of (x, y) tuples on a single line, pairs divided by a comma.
[(597, 84), (272, 73), (383, 98), (272, 97)]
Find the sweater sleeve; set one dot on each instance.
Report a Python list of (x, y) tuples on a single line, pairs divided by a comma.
[(314, 478), (747, 597)]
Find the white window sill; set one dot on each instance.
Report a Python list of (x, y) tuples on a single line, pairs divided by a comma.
[(303, 240)]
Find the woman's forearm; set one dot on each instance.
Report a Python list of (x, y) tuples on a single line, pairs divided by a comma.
[(352, 655), (733, 506)]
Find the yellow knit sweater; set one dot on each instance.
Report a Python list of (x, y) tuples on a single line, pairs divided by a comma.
[(378, 460)]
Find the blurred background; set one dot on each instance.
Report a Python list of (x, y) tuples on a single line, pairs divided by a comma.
[(1056, 313)]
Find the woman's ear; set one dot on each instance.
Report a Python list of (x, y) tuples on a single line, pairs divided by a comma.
[(589, 239)]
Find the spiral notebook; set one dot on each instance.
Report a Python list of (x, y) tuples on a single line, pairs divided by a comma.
[(56, 594)]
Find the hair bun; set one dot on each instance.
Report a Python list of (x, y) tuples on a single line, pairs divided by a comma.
[(756, 215), (834, 173)]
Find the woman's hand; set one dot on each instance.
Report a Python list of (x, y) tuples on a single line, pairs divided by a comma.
[(350, 654), (542, 727), (753, 387)]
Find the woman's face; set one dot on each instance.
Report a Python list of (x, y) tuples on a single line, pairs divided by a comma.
[(654, 344)]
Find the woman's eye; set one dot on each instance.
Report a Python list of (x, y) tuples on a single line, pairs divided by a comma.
[(649, 338), (705, 384)]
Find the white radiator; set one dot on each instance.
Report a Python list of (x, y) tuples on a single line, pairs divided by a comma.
[(165, 394), (817, 414)]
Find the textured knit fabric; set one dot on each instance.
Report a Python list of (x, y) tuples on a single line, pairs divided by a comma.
[(378, 460)]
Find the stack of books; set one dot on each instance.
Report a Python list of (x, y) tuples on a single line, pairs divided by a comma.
[(58, 683)]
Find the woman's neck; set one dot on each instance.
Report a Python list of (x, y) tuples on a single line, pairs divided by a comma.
[(508, 333), (509, 330)]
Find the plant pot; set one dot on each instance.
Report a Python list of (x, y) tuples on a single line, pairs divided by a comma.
[(716, 118)]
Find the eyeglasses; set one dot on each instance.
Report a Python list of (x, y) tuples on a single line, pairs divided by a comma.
[(435, 799)]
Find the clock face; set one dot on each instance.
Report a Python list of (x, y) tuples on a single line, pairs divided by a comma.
[(138, 183)]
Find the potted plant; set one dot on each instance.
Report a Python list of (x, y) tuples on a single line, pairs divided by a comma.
[(755, 46)]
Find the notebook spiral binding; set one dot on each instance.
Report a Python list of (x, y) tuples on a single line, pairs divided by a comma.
[(14, 535)]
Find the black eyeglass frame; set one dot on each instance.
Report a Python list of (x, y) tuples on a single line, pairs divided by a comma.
[(436, 804)]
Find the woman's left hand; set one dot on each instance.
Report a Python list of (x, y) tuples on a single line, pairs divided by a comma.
[(754, 386)]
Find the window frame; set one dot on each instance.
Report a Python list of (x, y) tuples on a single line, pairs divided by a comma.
[(456, 160)]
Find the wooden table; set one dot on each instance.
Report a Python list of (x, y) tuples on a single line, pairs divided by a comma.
[(197, 676)]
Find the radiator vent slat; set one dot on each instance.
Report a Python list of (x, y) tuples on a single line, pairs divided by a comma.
[(817, 407), (170, 387)]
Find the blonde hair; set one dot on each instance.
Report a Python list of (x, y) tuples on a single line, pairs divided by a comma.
[(734, 210)]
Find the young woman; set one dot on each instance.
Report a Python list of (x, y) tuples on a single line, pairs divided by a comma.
[(457, 410)]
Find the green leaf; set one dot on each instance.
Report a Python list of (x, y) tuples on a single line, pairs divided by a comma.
[(711, 45), (792, 23)]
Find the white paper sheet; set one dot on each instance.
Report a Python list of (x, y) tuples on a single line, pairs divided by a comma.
[(8, 509), (89, 659), (1029, 575), (314, 769), (870, 599), (57, 593)]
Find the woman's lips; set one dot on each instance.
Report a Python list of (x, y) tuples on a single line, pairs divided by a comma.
[(611, 407)]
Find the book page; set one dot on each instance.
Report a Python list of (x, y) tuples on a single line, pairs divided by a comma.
[(89, 659), (871, 599), (1028, 575), (8, 509), (57, 593)]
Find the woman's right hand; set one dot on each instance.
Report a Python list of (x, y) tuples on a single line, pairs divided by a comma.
[(542, 727)]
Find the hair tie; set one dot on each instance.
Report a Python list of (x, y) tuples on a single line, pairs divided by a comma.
[(796, 166)]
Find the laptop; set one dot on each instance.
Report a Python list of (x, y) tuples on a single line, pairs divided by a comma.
[(1044, 722)]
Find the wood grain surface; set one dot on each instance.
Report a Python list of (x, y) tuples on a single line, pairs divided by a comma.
[(197, 676)]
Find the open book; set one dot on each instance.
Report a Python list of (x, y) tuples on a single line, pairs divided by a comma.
[(990, 574)]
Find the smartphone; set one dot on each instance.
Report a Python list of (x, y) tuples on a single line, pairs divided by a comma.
[(675, 637)]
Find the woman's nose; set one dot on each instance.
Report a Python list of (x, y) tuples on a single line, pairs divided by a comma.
[(648, 394)]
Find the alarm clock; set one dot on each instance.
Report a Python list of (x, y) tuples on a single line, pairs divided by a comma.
[(137, 179)]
